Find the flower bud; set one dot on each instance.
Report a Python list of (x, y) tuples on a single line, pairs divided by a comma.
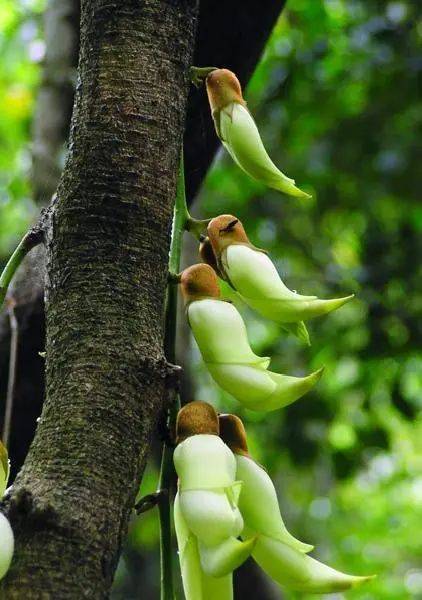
[(223, 88)]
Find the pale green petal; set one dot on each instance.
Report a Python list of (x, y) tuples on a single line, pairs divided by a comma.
[(210, 516), (220, 333), (190, 566), (298, 309), (250, 386), (289, 389), (196, 584), (298, 571), (221, 559), (253, 274), (7, 543), (255, 278), (196, 451), (261, 390), (4, 468), (240, 137), (259, 506)]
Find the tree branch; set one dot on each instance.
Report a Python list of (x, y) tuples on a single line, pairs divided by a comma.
[(107, 254)]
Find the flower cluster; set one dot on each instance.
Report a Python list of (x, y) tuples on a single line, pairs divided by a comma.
[(226, 508)]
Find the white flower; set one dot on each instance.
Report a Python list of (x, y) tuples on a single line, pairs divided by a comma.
[(253, 275), (207, 519), (239, 134), (221, 335)]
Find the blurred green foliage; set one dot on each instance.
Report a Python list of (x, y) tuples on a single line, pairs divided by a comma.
[(336, 99)]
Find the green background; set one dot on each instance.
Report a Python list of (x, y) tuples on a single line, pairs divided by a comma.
[(335, 98)]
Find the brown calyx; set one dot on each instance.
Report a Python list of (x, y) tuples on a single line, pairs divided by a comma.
[(198, 282), (233, 433), (196, 418), (225, 230), (207, 254), (223, 88)]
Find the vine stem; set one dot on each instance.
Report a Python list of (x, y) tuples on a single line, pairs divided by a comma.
[(29, 241), (180, 224)]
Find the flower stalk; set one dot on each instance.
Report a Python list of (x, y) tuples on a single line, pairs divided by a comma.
[(166, 480)]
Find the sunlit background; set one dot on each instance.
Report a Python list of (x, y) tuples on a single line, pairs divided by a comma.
[(335, 97)]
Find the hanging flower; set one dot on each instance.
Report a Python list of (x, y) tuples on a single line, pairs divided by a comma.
[(239, 134), (6, 534), (253, 275), (221, 335), (206, 515), (279, 554)]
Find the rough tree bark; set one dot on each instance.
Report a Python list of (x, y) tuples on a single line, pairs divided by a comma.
[(107, 252)]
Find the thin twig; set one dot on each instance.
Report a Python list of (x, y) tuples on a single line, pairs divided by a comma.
[(11, 383)]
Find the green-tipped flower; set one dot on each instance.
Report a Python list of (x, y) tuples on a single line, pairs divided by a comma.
[(207, 518), (252, 274), (282, 557), (7, 541), (258, 501), (239, 134), (222, 339)]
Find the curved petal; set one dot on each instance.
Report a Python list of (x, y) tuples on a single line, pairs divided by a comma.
[(222, 559), (198, 450), (7, 543), (220, 333), (210, 516), (300, 572), (261, 390), (240, 137), (295, 309), (259, 506)]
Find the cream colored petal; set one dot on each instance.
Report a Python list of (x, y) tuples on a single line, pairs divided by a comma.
[(289, 389), (196, 451), (298, 571), (7, 543), (259, 506), (220, 333), (222, 559), (241, 138), (210, 516)]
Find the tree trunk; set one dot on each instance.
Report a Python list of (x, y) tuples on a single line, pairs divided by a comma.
[(107, 253)]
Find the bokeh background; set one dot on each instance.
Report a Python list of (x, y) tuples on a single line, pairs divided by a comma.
[(336, 99)]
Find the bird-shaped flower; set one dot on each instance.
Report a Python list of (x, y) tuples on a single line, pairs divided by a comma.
[(207, 519), (253, 275), (277, 552), (6, 534), (221, 335), (239, 134)]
